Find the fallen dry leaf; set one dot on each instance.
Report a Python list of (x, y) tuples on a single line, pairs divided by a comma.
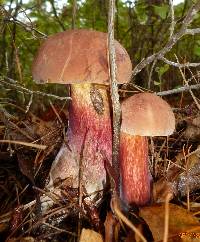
[(88, 235), (182, 224)]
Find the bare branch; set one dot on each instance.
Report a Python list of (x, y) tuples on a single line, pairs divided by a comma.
[(28, 27), (186, 83), (74, 10), (173, 40), (16, 86), (56, 15), (172, 26), (114, 94), (179, 65), (150, 74), (192, 31), (179, 90)]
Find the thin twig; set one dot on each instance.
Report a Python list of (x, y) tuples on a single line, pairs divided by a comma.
[(60, 22), (186, 83), (31, 92), (74, 10), (172, 26), (80, 182), (192, 31), (187, 178), (179, 90), (166, 228), (114, 93), (42, 147), (150, 74), (12, 19), (58, 229), (179, 65)]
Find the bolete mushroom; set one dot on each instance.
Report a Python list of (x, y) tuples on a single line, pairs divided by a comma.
[(79, 58), (143, 114)]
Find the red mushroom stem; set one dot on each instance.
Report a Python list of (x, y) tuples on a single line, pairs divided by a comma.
[(89, 122), (143, 114), (134, 169)]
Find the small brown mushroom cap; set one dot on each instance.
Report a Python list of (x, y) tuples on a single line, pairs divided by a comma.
[(79, 56), (146, 114)]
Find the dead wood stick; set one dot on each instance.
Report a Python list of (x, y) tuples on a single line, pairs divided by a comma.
[(179, 90), (15, 85), (116, 109)]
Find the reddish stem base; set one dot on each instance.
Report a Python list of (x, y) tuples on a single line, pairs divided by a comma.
[(89, 140)]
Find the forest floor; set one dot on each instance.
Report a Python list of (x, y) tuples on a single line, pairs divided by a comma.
[(24, 167)]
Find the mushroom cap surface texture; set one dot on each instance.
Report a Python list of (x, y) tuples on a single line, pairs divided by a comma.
[(79, 56), (146, 114)]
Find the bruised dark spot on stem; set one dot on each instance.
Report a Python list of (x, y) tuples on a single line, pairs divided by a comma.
[(97, 100)]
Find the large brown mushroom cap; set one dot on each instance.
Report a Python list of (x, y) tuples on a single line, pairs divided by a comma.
[(146, 114), (79, 56)]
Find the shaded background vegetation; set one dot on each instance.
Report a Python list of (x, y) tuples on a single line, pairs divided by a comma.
[(142, 28)]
